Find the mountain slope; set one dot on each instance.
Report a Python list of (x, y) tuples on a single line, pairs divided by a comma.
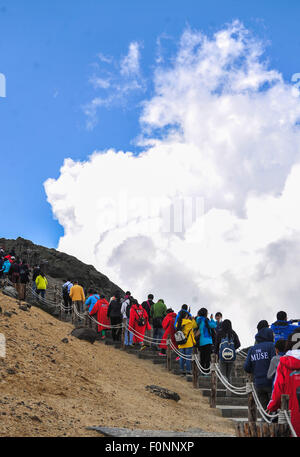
[(60, 266)]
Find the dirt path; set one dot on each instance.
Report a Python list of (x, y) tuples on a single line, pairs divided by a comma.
[(51, 388)]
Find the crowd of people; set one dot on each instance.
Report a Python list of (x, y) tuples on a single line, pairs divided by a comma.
[(273, 360)]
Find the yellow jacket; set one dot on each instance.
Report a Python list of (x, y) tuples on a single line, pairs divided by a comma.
[(187, 327), (41, 282), (76, 293)]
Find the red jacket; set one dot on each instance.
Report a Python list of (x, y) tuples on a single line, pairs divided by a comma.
[(136, 312), (287, 381), (101, 307), (168, 326)]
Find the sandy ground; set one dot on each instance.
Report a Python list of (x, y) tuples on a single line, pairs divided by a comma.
[(51, 388)]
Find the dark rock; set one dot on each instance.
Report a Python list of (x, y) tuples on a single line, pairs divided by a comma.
[(36, 418), (87, 334), (163, 393), (11, 371), (23, 307), (10, 291), (65, 340), (7, 314)]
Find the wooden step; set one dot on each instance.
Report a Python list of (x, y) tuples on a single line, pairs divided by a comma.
[(233, 411)]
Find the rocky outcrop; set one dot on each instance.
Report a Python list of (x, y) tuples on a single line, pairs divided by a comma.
[(60, 266)]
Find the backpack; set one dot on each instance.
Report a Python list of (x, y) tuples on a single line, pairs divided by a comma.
[(227, 350), (180, 338), (141, 320)]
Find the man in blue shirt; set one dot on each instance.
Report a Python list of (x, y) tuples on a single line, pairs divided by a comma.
[(282, 327)]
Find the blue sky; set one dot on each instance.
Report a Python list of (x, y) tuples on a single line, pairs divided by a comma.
[(48, 52)]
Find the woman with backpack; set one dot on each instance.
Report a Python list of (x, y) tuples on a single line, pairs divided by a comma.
[(186, 325), (138, 323), (227, 342), (205, 341)]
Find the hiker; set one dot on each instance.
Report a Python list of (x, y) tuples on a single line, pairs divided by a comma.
[(6, 267), (184, 309), (100, 308), (158, 312), (14, 271), (258, 361), (66, 296), (24, 279), (77, 296), (280, 351), (125, 311), (287, 381), (93, 297), (147, 305), (282, 327), (138, 322), (214, 331), (35, 273), (41, 284), (205, 326), (168, 326), (186, 324), (115, 316), (227, 342)]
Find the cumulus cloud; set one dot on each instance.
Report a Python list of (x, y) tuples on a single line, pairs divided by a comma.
[(209, 216)]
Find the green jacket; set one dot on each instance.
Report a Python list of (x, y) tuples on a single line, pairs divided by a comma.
[(159, 309)]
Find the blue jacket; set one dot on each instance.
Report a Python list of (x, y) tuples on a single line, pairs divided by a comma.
[(205, 336), (282, 329), (91, 301), (259, 357), (6, 266)]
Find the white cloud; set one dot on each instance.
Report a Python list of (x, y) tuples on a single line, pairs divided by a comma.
[(130, 64), (222, 126), (117, 81)]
